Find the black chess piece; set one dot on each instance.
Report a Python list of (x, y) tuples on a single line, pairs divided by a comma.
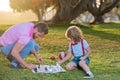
[(38, 66), (35, 69)]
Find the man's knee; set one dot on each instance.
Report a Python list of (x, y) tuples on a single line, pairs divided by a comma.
[(36, 47), (29, 45), (32, 44)]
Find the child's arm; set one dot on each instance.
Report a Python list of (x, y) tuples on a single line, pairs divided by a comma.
[(64, 59), (87, 54)]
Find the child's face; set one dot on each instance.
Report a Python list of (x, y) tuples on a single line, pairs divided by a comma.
[(72, 40)]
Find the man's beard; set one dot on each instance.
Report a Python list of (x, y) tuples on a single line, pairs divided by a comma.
[(34, 36)]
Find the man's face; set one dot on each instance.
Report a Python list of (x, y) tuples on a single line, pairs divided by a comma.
[(38, 34)]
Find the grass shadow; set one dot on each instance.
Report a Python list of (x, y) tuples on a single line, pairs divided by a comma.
[(104, 35), (104, 31), (110, 25)]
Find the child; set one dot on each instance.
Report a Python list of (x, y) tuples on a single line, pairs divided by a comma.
[(80, 49)]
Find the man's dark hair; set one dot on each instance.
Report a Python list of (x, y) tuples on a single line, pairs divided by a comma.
[(42, 27)]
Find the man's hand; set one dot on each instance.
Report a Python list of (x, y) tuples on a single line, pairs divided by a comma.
[(30, 66), (39, 59)]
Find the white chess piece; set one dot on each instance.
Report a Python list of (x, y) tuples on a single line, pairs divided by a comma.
[(58, 67), (49, 68)]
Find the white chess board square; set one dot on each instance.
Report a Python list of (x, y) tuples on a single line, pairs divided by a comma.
[(48, 69)]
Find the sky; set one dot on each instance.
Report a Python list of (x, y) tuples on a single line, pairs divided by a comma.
[(7, 16), (5, 5)]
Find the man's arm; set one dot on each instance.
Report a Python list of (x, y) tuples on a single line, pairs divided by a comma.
[(16, 54), (39, 59)]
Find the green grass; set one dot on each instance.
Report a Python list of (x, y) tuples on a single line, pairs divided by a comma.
[(104, 40)]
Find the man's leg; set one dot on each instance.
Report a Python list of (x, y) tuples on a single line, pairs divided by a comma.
[(6, 51), (26, 51)]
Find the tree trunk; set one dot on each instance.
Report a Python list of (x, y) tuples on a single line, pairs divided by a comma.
[(98, 12), (65, 13), (80, 8), (37, 12), (98, 19)]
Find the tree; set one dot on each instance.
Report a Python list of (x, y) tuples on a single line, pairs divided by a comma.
[(100, 8), (37, 6), (66, 10), (69, 11)]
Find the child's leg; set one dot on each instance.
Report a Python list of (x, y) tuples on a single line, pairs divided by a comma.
[(84, 66), (71, 66)]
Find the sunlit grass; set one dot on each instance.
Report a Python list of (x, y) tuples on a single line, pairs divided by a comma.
[(104, 40)]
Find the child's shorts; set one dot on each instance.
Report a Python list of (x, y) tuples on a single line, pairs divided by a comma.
[(77, 59)]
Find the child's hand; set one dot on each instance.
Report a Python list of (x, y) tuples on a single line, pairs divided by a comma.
[(82, 58), (59, 62)]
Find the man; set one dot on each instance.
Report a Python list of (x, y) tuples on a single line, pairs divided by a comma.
[(18, 42)]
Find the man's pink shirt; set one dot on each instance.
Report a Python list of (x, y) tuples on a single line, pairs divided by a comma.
[(21, 33)]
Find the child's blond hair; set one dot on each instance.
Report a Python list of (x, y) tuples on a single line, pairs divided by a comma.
[(75, 33)]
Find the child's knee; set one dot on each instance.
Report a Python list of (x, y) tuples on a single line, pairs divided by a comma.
[(81, 62), (68, 67)]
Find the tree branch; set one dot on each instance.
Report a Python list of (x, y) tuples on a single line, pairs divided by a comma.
[(110, 7)]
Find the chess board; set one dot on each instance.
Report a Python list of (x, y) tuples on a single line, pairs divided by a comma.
[(48, 69)]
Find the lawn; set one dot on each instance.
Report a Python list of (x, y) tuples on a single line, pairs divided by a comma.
[(104, 40)]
